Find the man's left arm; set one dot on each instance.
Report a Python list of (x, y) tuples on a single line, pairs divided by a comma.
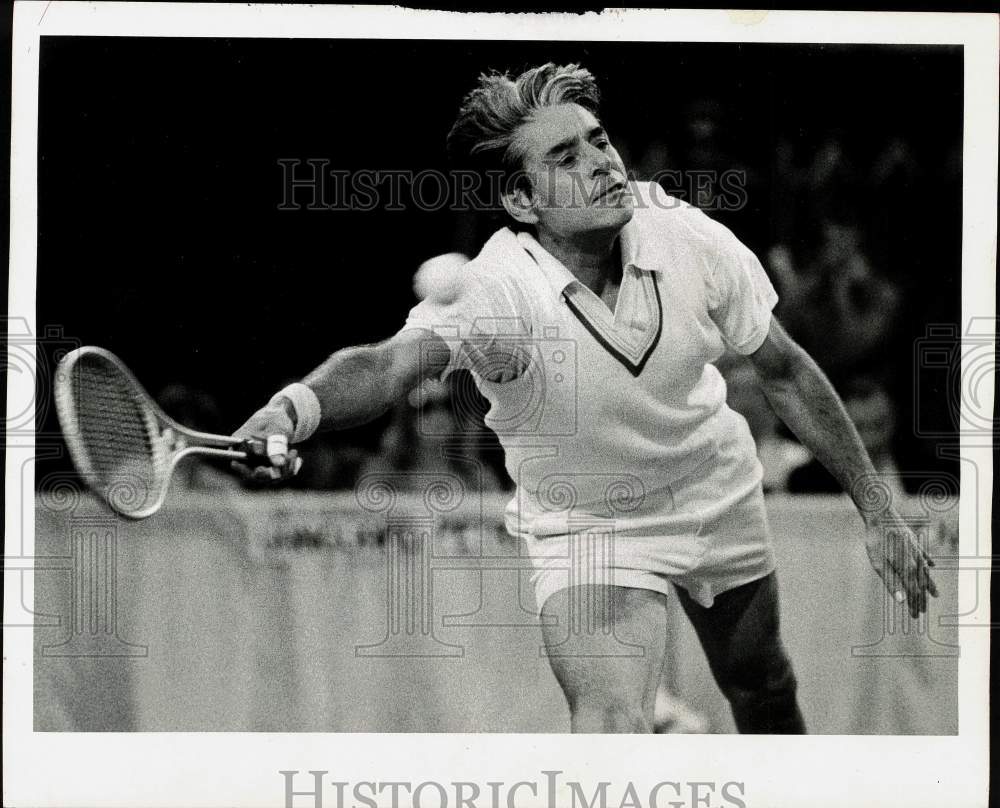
[(804, 399)]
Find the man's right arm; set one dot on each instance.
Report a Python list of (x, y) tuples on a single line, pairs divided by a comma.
[(354, 386)]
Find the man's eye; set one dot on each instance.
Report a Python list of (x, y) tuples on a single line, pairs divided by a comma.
[(603, 144), (567, 160)]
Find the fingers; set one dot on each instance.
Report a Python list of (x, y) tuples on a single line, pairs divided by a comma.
[(881, 561), (277, 449), (911, 568), (904, 567), (265, 441), (917, 593), (924, 563), (908, 571), (893, 582), (266, 474), (931, 586)]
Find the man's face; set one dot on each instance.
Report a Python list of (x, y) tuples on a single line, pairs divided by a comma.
[(578, 182)]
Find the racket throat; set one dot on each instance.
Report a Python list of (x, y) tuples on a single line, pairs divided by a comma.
[(172, 441)]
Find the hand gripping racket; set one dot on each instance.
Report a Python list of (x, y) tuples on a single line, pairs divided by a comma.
[(122, 444)]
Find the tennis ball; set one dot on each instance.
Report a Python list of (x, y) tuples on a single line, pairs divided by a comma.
[(437, 279)]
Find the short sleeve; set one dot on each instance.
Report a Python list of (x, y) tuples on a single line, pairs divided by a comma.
[(473, 318), (741, 296)]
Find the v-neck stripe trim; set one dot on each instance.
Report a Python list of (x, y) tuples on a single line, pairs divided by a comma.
[(595, 329)]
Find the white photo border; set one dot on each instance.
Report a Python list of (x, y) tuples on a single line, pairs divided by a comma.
[(225, 769)]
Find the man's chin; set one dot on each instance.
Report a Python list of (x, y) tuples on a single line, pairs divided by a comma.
[(610, 221), (615, 216)]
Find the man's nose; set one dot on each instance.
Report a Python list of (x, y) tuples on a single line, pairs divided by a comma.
[(601, 160)]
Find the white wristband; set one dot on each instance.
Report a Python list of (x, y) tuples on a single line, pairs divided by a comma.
[(307, 409)]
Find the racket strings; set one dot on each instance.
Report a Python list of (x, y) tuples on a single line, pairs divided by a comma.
[(117, 434)]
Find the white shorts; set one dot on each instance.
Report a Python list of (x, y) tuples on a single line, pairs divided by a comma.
[(707, 534)]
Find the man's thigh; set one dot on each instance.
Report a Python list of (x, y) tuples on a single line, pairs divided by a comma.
[(606, 643), (740, 632), (741, 637), (741, 625)]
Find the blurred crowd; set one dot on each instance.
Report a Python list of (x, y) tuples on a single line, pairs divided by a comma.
[(850, 228), (841, 231)]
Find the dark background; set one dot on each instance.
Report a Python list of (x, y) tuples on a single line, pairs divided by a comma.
[(160, 236)]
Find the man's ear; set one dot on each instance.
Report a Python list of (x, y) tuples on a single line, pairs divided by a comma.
[(519, 204)]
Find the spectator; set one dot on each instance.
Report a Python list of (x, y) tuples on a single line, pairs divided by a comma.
[(704, 168), (836, 305)]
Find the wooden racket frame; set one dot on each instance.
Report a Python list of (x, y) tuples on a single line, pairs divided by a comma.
[(164, 432)]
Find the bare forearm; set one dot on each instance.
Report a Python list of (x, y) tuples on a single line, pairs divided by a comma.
[(353, 386), (805, 400), (356, 385)]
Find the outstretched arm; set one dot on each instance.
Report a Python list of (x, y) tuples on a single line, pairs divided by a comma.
[(354, 386), (804, 399)]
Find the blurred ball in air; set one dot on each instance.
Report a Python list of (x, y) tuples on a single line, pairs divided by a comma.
[(437, 279)]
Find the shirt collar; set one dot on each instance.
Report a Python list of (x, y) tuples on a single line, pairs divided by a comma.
[(559, 277)]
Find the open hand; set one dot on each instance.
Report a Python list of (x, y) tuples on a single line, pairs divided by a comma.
[(900, 562)]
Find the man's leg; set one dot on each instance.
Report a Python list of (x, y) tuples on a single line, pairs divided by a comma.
[(740, 635), (608, 693)]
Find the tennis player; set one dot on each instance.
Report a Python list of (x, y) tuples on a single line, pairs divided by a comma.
[(591, 322)]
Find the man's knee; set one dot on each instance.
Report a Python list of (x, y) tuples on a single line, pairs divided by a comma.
[(609, 714), (765, 676), (763, 697), (765, 682)]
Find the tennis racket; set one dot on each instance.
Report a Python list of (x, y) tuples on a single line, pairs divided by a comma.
[(122, 444)]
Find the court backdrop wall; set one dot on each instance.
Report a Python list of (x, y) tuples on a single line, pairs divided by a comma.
[(221, 615)]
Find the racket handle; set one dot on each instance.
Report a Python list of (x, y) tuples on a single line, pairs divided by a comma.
[(251, 447), (254, 453)]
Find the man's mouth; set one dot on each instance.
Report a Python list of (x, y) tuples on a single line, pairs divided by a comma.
[(612, 189)]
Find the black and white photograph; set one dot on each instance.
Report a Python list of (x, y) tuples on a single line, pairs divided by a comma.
[(433, 408)]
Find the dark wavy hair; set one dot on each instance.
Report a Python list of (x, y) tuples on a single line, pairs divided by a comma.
[(482, 137)]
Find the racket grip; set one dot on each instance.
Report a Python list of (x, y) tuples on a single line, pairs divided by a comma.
[(251, 453), (255, 452)]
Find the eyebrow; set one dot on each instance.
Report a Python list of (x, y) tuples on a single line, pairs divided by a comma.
[(571, 141)]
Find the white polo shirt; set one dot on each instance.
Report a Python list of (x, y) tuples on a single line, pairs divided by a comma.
[(612, 415)]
